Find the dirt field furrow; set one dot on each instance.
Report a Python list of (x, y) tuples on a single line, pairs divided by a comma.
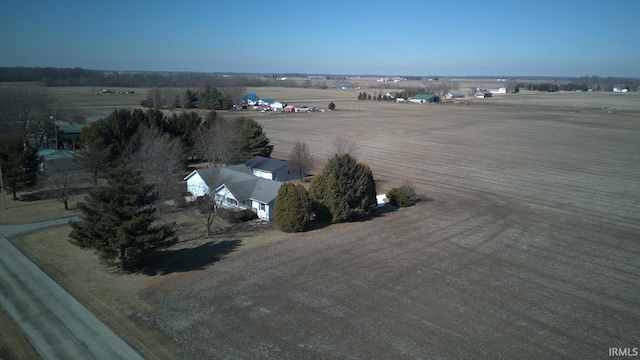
[(525, 243)]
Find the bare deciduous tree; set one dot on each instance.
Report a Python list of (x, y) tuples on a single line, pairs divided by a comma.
[(206, 211), (206, 207), (219, 142), (159, 160), (60, 178), (70, 116), (446, 85), (343, 145), (236, 93), (94, 159), (155, 99), (300, 160), (27, 113)]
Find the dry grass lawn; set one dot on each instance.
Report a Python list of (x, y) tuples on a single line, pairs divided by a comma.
[(22, 211), (13, 345)]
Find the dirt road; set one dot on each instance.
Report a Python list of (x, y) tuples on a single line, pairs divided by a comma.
[(55, 323)]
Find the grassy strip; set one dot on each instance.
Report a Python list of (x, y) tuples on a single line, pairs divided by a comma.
[(112, 297), (13, 344), (21, 211)]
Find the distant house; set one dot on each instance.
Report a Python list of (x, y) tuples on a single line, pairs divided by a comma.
[(276, 106), (424, 98), (269, 168), (68, 135), (502, 90), (454, 95), (51, 158), (250, 99), (343, 86), (235, 188)]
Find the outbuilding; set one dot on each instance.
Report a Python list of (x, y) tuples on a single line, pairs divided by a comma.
[(424, 98), (250, 99)]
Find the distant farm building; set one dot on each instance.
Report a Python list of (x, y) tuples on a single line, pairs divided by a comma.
[(68, 135), (250, 98), (343, 86), (502, 90), (424, 98), (454, 95), (276, 106)]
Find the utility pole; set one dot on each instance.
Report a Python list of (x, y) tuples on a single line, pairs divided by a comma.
[(4, 204)]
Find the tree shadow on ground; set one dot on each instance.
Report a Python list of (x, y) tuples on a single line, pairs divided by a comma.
[(385, 209), (317, 225), (52, 194), (196, 258)]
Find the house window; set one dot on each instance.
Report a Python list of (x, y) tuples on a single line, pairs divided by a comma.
[(263, 207)]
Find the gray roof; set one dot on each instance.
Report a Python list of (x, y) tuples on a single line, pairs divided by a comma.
[(262, 190), (265, 163), (242, 184)]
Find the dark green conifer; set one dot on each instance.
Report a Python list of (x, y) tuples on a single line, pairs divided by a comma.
[(118, 220), (292, 209), (344, 191)]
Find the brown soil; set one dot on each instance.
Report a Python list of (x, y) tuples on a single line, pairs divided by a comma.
[(525, 244)]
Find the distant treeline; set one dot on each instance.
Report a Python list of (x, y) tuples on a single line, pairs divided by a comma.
[(605, 85), (50, 76)]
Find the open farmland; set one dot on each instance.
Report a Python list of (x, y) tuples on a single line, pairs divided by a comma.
[(525, 244)]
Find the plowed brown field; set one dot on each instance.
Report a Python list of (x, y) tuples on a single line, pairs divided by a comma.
[(526, 244)]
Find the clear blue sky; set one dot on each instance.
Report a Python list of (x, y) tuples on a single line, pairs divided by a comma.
[(446, 38)]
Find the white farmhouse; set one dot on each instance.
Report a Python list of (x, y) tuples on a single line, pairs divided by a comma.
[(235, 187)]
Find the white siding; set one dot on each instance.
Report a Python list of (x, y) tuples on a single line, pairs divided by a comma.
[(261, 209), (197, 186)]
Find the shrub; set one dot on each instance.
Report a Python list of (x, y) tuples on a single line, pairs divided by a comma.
[(247, 215), (345, 190), (292, 209), (402, 197)]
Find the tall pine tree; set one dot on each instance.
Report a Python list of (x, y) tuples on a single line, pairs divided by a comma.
[(118, 220), (253, 142), (19, 165)]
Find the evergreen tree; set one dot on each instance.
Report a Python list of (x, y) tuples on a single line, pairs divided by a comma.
[(344, 191), (253, 142), (114, 132), (292, 209), (118, 220), (19, 165)]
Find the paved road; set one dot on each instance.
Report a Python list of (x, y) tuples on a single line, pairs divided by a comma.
[(57, 325)]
